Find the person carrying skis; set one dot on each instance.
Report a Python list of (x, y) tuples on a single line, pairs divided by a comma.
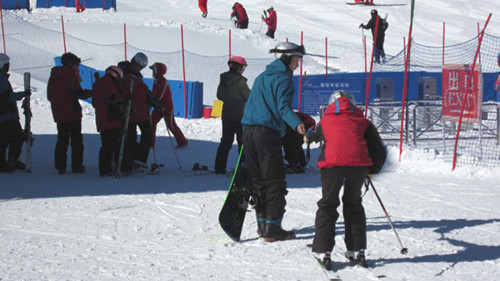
[(108, 102), (271, 19), (203, 7), (162, 95), (292, 146), (141, 102), (352, 151), (267, 113), (233, 91), (11, 132), (382, 27), (63, 92), (241, 16)]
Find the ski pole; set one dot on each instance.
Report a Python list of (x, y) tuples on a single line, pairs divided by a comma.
[(173, 148), (404, 250)]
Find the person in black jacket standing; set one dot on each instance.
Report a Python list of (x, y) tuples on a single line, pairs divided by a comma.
[(382, 27), (233, 91)]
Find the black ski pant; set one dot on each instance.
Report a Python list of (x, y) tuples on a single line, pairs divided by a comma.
[(11, 137), (110, 150), (292, 147), (229, 129), (332, 180), (270, 33), (242, 24), (264, 160), (141, 149), (66, 132)]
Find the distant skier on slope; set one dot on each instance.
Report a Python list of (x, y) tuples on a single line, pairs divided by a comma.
[(382, 27), (271, 19), (79, 7), (11, 132), (241, 16), (352, 151), (203, 7)]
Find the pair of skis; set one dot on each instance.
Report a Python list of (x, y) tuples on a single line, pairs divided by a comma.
[(28, 138)]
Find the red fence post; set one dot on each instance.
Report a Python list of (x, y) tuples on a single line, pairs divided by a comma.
[(443, 41), (64, 34), (125, 39), (367, 92), (184, 73), (300, 79), (326, 57)]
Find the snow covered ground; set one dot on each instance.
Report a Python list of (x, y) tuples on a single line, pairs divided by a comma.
[(164, 227)]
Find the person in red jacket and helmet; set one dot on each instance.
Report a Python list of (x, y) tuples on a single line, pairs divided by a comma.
[(79, 6), (162, 94), (271, 19), (142, 101), (352, 151), (241, 16), (63, 92), (497, 83), (233, 91), (108, 103)]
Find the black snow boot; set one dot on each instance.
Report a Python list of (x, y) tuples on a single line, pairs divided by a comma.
[(274, 233), (360, 259)]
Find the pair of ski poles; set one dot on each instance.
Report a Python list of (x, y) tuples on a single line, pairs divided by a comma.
[(368, 181)]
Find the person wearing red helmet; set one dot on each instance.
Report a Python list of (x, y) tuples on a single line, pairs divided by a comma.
[(233, 91), (162, 94), (241, 16), (108, 101), (79, 6)]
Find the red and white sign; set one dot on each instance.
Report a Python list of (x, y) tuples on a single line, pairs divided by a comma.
[(455, 79)]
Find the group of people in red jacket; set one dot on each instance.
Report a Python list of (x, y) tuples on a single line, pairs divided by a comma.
[(121, 84), (238, 12)]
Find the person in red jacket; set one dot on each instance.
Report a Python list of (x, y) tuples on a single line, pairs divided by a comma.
[(352, 151), (497, 83), (79, 7), (241, 16), (271, 19), (162, 94), (141, 102), (63, 92), (203, 7), (108, 102)]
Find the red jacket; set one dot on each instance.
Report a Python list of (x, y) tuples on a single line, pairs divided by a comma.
[(497, 85), (141, 96), (239, 12), (271, 20), (63, 92), (107, 101)]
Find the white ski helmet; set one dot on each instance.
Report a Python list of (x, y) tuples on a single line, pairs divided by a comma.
[(4, 59), (140, 59), (289, 49), (341, 93)]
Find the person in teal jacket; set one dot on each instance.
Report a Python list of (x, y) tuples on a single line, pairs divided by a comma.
[(267, 113)]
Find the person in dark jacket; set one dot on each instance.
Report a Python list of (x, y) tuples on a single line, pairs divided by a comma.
[(352, 151), (241, 16), (11, 132), (162, 94), (233, 91), (63, 92), (271, 19), (382, 27), (108, 102), (267, 114), (292, 146), (142, 101)]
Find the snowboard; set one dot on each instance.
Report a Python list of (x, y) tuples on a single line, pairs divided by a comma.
[(232, 214), (27, 123)]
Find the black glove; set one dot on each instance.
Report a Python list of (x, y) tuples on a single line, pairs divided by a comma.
[(361, 25)]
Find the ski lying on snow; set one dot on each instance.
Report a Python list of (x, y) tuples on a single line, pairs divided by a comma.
[(369, 272), (330, 274)]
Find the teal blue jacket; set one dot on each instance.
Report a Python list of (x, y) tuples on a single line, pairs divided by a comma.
[(270, 101)]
